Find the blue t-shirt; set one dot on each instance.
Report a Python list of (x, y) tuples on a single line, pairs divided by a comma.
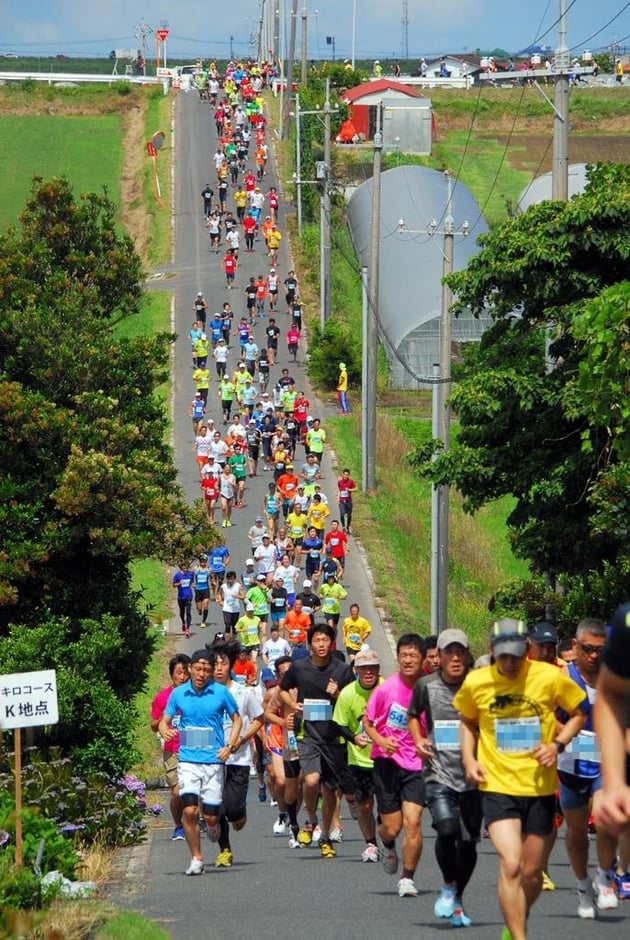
[(218, 559), (183, 580), (201, 716)]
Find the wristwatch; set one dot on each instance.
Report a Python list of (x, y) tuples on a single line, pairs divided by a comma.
[(234, 747), (561, 747)]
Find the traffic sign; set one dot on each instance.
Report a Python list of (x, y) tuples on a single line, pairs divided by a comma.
[(162, 34)]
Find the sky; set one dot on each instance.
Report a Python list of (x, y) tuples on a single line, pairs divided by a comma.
[(213, 29)]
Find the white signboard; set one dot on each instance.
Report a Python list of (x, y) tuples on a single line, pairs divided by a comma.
[(28, 699)]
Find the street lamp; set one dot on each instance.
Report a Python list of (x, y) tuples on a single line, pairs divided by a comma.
[(441, 410)]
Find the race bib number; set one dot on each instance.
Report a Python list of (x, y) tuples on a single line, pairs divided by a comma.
[(317, 709), (446, 735), (197, 738), (585, 746), (354, 638), (517, 734), (397, 718)]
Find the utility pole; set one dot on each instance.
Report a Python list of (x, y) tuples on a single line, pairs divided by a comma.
[(290, 69), (325, 213), (298, 163), (303, 51), (560, 162), (371, 331), (441, 411)]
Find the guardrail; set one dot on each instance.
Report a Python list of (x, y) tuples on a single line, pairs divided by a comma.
[(54, 78)]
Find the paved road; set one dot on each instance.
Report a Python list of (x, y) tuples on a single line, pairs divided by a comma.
[(272, 889)]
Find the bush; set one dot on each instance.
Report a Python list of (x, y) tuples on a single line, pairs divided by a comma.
[(328, 348), (70, 810)]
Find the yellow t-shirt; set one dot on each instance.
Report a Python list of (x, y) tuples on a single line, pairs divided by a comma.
[(493, 701), (355, 632), (296, 525)]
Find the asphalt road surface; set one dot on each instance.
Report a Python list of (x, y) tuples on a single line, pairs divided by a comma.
[(272, 890)]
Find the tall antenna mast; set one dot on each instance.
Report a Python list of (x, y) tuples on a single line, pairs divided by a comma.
[(142, 32), (404, 48)]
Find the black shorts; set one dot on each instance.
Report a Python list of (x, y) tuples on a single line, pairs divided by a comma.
[(291, 769), (201, 596), (535, 812), (230, 619), (464, 806), (394, 786), (325, 759), (235, 792), (362, 781)]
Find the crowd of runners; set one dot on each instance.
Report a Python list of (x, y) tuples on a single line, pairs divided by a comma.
[(287, 688)]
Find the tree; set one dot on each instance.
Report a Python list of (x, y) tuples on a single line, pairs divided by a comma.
[(525, 428), (87, 480)]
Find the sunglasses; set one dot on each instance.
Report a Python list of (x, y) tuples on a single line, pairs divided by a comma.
[(589, 649)]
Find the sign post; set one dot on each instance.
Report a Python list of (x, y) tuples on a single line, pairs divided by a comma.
[(27, 700)]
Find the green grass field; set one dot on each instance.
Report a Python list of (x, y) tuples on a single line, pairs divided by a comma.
[(87, 150)]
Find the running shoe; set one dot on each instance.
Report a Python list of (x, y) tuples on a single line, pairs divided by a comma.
[(547, 883), (327, 850), (317, 834), (178, 834), (262, 793), (505, 934), (305, 835), (459, 917), (273, 803), (389, 857), (294, 842), (224, 859), (406, 888), (586, 906), (212, 832), (445, 904), (195, 867), (370, 853), (280, 828), (336, 834), (605, 897)]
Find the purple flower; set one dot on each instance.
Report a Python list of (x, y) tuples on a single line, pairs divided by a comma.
[(156, 809)]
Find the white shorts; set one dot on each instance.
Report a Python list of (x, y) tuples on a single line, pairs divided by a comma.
[(202, 780)]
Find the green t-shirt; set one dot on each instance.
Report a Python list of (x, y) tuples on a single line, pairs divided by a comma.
[(349, 711)]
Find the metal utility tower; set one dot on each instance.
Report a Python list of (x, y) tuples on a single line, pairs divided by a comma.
[(404, 46), (142, 32)]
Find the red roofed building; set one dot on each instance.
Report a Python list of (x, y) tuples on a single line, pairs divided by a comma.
[(407, 117)]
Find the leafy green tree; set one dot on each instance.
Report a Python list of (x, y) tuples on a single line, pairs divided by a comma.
[(87, 480), (525, 408)]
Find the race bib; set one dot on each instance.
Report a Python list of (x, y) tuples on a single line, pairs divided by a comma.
[(397, 718), (354, 638), (585, 746), (197, 738), (317, 709), (446, 735), (517, 734)]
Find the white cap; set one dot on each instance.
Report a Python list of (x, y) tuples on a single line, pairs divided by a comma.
[(307, 583), (249, 606), (249, 561)]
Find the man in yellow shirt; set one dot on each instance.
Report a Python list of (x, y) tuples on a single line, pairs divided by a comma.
[(509, 749), (342, 388), (355, 630)]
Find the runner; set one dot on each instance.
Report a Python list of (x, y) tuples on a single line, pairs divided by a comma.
[(397, 767), (509, 749)]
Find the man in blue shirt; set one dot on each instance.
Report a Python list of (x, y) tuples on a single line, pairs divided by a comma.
[(219, 558), (201, 705)]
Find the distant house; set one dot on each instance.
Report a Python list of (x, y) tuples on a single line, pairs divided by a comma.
[(455, 66), (407, 117)]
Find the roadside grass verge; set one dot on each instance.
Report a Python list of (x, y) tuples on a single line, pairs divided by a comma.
[(394, 526)]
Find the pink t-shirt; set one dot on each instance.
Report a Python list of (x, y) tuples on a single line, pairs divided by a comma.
[(157, 710), (387, 711)]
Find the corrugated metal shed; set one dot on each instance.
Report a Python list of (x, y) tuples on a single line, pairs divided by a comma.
[(411, 262)]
